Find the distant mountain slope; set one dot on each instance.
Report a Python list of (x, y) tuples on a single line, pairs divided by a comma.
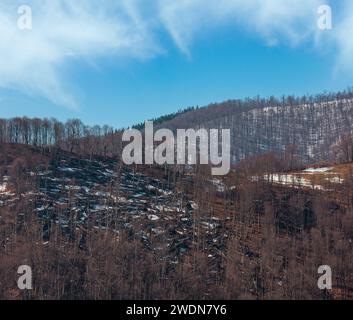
[(306, 128), (164, 118), (312, 125)]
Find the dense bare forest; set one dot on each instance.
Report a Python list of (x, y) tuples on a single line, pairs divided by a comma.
[(311, 124), (309, 127), (92, 228)]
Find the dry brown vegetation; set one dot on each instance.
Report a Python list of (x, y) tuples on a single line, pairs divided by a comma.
[(273, 238), (247, 237)]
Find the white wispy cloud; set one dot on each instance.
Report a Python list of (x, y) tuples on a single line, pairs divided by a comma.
[(291, 21), (342, 36), (65, 31)]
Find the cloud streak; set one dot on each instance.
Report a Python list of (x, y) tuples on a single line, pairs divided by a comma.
[(66, 31), (34, 60), (342, 36), (289, 20)]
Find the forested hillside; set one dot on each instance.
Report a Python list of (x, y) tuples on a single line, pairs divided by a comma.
[(94, 228), (307, 127)]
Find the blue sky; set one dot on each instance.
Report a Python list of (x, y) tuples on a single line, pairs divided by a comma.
[(122, 62)]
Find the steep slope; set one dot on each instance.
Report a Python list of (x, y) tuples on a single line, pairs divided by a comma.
[(312, 126), (79, 194)]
